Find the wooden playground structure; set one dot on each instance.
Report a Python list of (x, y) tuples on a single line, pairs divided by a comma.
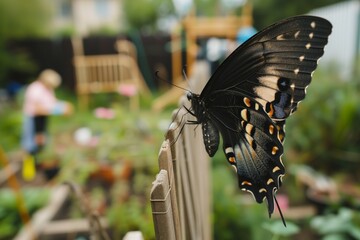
[(195, 28)]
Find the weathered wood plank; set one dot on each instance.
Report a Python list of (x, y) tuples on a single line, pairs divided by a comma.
[(166, 163), (161, 207), (34, 228), (70, 226)]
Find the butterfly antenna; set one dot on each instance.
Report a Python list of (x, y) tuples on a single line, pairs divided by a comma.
[(281, 215), (168, 82), (186, 78), (184, 73)]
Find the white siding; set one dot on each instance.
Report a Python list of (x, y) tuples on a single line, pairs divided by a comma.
[(344, 43), (88, 15)]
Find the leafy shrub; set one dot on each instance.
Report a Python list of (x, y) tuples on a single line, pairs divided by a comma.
[(10, 221), (324, 131)]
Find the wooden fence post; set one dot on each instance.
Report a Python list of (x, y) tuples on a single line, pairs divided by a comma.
[(166, 163), (161, 206)]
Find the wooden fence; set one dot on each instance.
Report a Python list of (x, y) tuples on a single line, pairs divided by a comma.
[(180, 196)]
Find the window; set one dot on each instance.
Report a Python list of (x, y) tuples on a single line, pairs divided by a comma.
[(102, 7), (65, 8)]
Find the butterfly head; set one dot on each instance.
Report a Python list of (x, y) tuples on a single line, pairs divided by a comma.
[(197, 105), (189, 95), (194, 99)]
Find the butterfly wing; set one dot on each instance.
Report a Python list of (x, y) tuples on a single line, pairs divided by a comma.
[(275, 66), (255, 89), (251, 143)]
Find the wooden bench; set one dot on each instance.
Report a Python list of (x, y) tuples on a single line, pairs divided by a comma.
[(108, 73)]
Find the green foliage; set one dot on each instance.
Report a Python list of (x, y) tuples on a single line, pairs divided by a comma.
[(324, 131), (117, 140), (10, 220), (133, 137), (14, 61), (20, 19), (278, 230), (65, 32), (104, 31), (235, 212), (10, 128), (143, 14), (207, 7), (343, 225), (135, 215)]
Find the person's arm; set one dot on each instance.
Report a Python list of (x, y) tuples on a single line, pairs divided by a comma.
[(59, 108)]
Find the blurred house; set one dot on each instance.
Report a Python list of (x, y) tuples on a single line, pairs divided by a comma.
[(82, 17), (344, 41)]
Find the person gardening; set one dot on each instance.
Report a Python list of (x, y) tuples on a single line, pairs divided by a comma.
[(40, 102)]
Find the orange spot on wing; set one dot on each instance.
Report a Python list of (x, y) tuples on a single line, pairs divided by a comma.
[(247, 102), (232, 160), (271, 111), (246, 183), (274, 150)]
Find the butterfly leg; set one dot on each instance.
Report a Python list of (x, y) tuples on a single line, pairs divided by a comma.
[(189, 111)]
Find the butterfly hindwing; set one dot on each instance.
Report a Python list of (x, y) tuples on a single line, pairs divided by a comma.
[(252, 144)]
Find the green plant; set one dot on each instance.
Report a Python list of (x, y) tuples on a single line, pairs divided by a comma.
[(10, 128), (235, 212), (10, 221), (324, 132), (279, 231), (150, 13), (14, 60), (343, 225), (130, 216), (20, 19), (132, 137)]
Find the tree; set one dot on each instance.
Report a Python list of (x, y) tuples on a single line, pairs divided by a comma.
[(143, 14), (20, 19)]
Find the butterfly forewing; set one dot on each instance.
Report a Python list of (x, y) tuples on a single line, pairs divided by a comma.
[(251, 94), (285, 53)]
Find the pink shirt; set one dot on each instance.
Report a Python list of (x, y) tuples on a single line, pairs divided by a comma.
[(37, 94)]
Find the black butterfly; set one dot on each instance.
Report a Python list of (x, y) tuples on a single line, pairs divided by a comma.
[(251, 94)]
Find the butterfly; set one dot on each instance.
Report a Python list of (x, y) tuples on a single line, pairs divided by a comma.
[(250, 95)]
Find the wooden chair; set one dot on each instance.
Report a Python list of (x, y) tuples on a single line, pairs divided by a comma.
[(107, 73)]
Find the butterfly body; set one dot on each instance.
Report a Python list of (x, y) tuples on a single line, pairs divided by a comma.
[(250, 95), (210, 132)]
